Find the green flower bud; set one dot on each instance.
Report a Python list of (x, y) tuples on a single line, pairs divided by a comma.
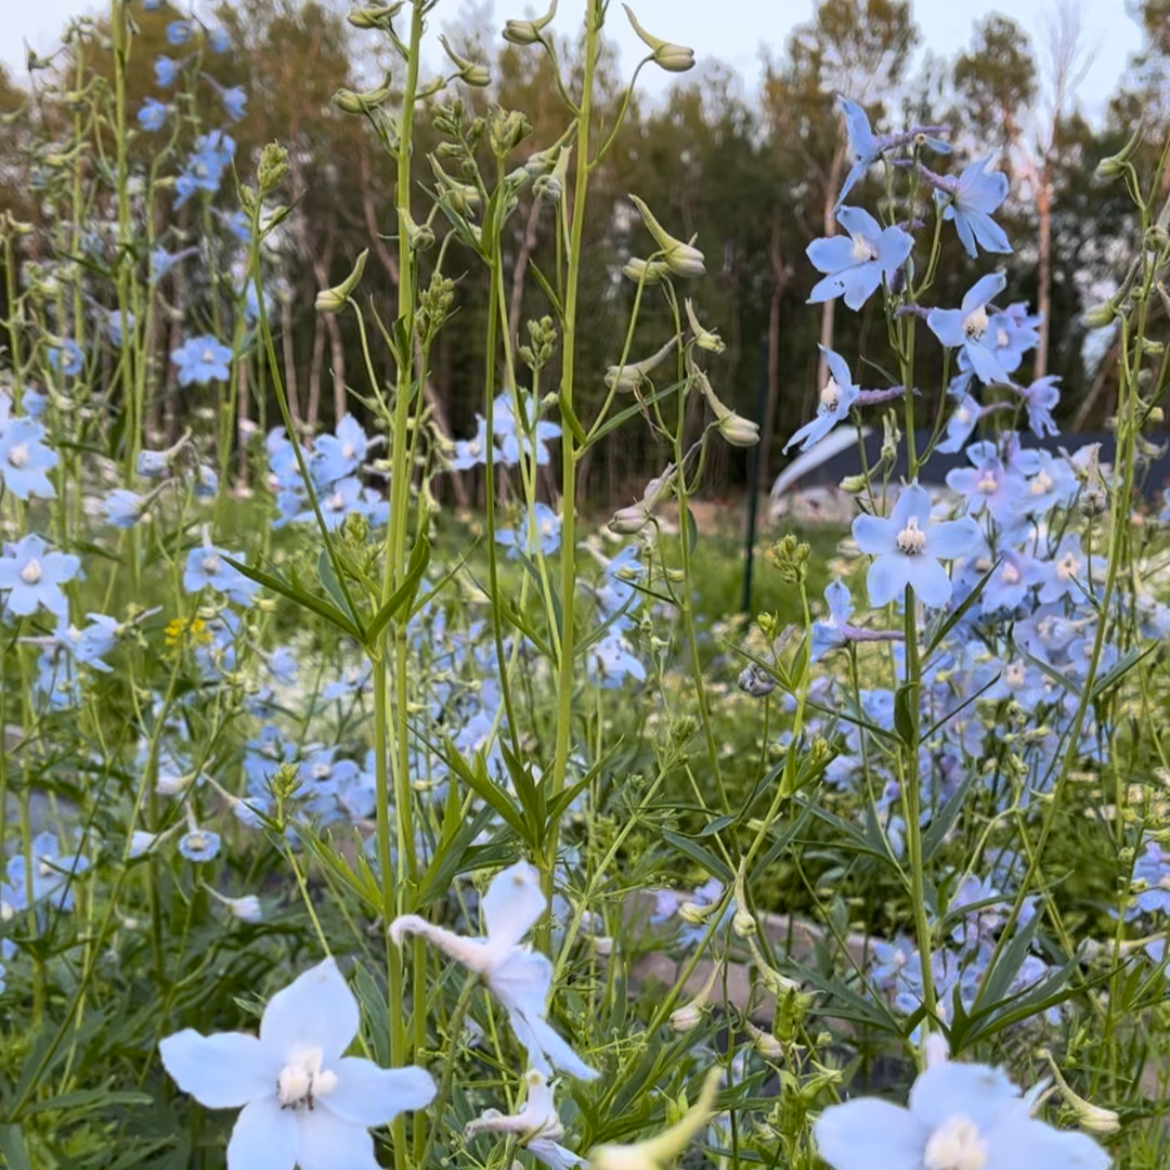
[(1117, 164), (682, 259), (333, 300), (470, 72), (378, 17), (672, 58), (704, 339), (273, 167), (528, 32), (646, 272)]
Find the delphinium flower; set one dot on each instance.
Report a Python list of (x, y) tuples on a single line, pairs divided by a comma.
[(610, 662), (234, 100), (24, 460), (153, 115), (1151, 881), (304, 1102), (987, 485), (123, 508), (179, 32), (1007, 340), (162, 261), (525, 435), (201, 360), (206, 165), (52, 875), (67, 358), (344, 498), (856, 265), (829, 633), (218, 40), (207, 568), (867, 147), (199, 844), (962, 422), (542, 529), (1010, 581), (1052, 483), (837, 395), (1071, 573), (537, 1125), (909, 549), (1040, 398), (966, 328), (166, 69), (960, 1117), (31, 577), (519, 978), (469, 453), (339, 455), (969, 200)]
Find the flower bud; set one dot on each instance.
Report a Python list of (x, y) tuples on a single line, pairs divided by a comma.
[(739, 431), (682, 259), (672, 58), (1100, 316), (378, 17), (470, 72), (704, 339), (630, 378), (528, 32), (755, 681), (645, 271), (333, 300), (273, 167), (1116, 164), (764, 1042), (506, 130)]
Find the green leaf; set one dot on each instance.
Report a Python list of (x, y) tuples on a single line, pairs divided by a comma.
[(12, 1146), (942, 823), (549, 291), (477, 779), (953, 618), (906, 713), (375, 1010), (622, 416), (700, 854), (569, 417), (328, 579), (403, 596), (300, 596), (1112, 678)]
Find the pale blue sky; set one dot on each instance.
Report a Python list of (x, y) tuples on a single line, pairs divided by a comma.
[(732, 30)]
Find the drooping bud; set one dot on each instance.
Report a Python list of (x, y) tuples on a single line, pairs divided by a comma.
[(350, 102), (672, 58), (682, 259), (528, 32), (333, 300), (631, 520), (470, 72), (645, 271), (629, 378), (377, 17), (737, 430), (1117, 164), (687, 1017), (704, 338), (1089, 1116)]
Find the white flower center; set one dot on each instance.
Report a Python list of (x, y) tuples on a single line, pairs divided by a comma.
[(963, 415), (348, 451), (830, 397), (863, 250), (1067, 567), (208, 357), (18, 455), (547, 528), (1013, 677), (975, 324), (32, 572), (912, 540), (302, 1080), (474, 449), (1001, 338), (1010, 574), (988, 485), (336, 502), (1041, 483), (211, 564), (955, 1145)]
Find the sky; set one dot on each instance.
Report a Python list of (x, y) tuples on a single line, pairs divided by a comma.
[(733, 31)]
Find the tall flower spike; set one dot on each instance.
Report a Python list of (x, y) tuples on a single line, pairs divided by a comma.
[(303, 1102), (519, 979)]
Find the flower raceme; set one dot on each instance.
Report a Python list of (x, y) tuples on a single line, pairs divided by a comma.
[(909, 547), (303, 1102), (519, 978)]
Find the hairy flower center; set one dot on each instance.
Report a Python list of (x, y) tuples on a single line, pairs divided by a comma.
[(963, 415), (912, 540), (336, 502), (988, 484), (831, 397), (1001, 338), (1041, 483), (32, 572), (1010, 575), (348, 451), (18, 455), (211, 564), (955, 1145), (302, 1080), (863, 250), (975, 324), (1013, 677), (1067, 567), (207, 357)]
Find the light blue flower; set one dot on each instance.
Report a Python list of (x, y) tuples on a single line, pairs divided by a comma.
[(204, 169), (963, 421), (969, 200), (303, 1101), (837, 396), (206, 568), (856, 265), (529, 435), (165, 71), (1010, 580), (611, 663), (966, 328), (179, 32), (32, 577), (201, 360), (960, 1115), (470, 453), (337, 456), (1040, 398), (218, 40), (67, 358), (542, 529), (24, 460), (344, 498), (52, 876), (519, 978), (1069, 572), (234, 100), (123, 508), (908, 549), (988, 485), (829, 633), (153, 115), (199, 845)]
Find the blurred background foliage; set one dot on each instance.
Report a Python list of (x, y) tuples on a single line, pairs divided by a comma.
[(753, 175)]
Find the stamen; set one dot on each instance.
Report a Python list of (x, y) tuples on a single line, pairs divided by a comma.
[(912, 540)]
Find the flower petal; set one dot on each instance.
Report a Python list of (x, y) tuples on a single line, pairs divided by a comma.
[(978, 1091), (913, 502), (858, 222), (954, 538), (947, 326), (929, 580), (830, 254), (837, 367), (316, 1010), (886, 578), (874, 535), (984, 291), (223, 1071), (328, 1143), (868, 1133), (513, 903), (368, 1095), (264, 1138), (1024, 1144)]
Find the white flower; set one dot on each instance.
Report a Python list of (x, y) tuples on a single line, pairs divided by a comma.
[(518, 978), (304, 1103), (537, 1126)]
